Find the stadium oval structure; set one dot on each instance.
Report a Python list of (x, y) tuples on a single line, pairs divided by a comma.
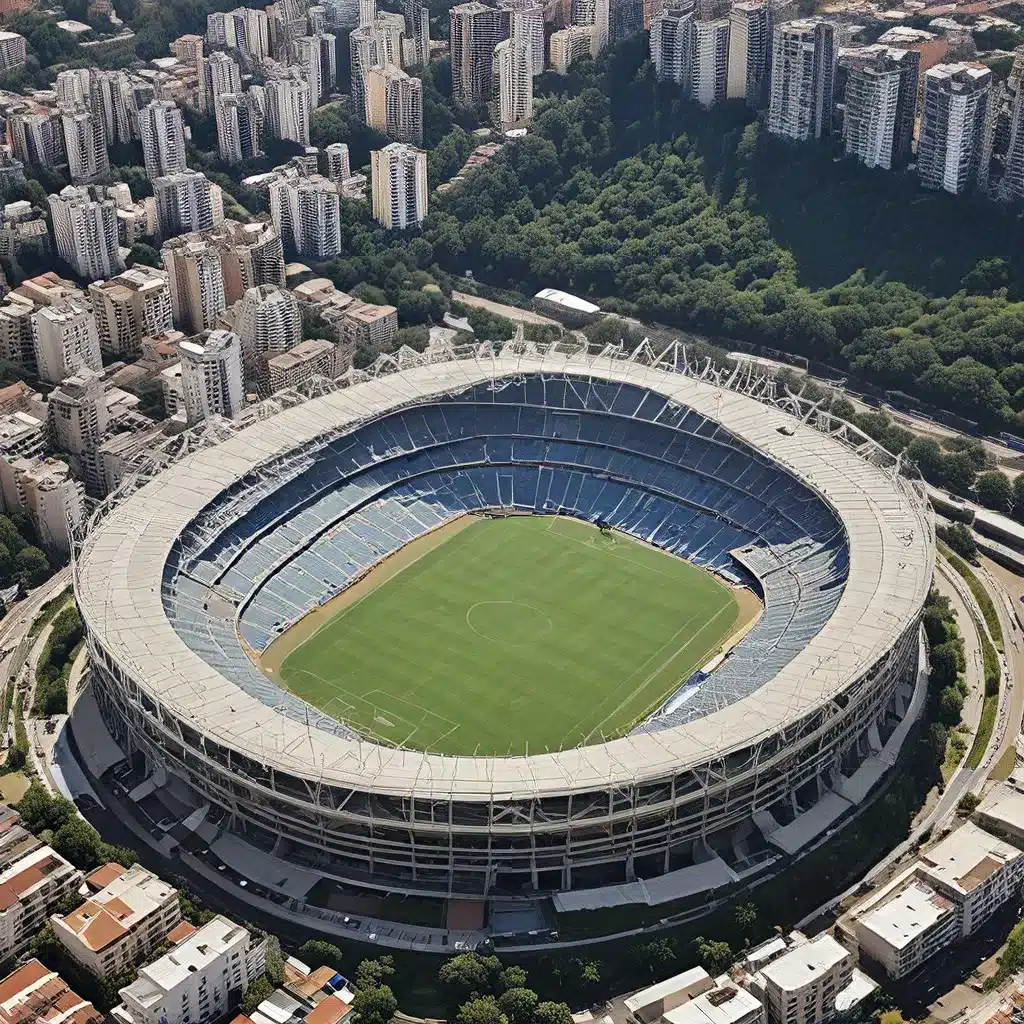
[(181, 578)]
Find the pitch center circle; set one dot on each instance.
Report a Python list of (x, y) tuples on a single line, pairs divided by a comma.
[(514, 623)]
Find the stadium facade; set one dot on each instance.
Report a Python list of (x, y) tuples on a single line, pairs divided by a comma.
[(183, 579)]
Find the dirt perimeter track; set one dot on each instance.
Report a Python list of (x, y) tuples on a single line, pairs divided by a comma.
[(748, 613)]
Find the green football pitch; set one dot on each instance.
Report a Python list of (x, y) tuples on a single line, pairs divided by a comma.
[(521, 633)]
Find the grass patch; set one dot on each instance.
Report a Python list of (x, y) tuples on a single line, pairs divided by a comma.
[(956, 747), (1002, 768), (984, 733), (529, 630), (48, 611), (981, 595)]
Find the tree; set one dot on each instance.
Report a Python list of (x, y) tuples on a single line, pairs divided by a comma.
[(959, 539), (318, 953), (518, 1005), (1018, 497), (39, 810), (967, 804), (745, 915), (77, 841), (655, 957), (144, 254), (944, 666), (995, 491), (483, 1010), (274, 961), (257, 991), (512, 977), (714, 956), (375, 1005), (468, 976), (31, 567), (553, 1013), (375, 972)]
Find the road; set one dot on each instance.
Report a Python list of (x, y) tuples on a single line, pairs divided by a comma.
[(522, 316)]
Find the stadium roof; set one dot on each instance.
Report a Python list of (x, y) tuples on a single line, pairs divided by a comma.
[(119, 569)]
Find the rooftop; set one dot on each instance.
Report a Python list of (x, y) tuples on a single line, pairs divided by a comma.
[(695, 978), (967, 857), (567, 300), (907, 915), (726, 1003), (806, 963)]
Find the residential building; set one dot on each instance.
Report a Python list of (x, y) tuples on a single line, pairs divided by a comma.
[(513, 81), (308, 359), (475, 31), (288, 107), (710, 71), (239, 127), (172, 390), (186, 202), (211, 375), (201, 978), (85, 232), (879, 101), (85, 144), (12, 51), (802, 985), (66, 340), (399, 175), (328, 43), (309, 62), (378, 43), (338, 167), (48, 493), (417, 28), (362, 323), (134, 305), (803, 77), (568, 45), (188, 49), (218, 75), (672, 44), (394, 103), (78, 420), (37, 137), (750, 52), (625, 19), (307, 214), (197, 284), (267, 322), (22, 435), (17, 344), (650, 1005), (528, 24), (951, 135), (30, 889), (163, 138), (121, 924), (33, 994), (593, 13)]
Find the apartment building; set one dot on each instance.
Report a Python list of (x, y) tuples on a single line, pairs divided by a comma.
[(163, 138), (289, 102), (366, 324), (239, 127), (79, 418), (338, 166), (16, 339), (37, 136), (48, 493), (218, 75), (528, 24), (30, 889), (750, 51), (802, 985), (200, 979), (417, 28), (85, 232), (672, 44), (85, 143), (951, 135), (803, 79), (211, 375), (593, 14), (33, 994), (22, 435), (399, 177), (569, 45), (267, 322), (307, 214), (394, 104), (475, 31), (196, 283), (12, 51), (15, 840), (652, 1004), (513, 78), (66, 340), (312, 358), (121, 924), (134, 305), (308, 48), (188, 49), (709, 75), (185, 202)]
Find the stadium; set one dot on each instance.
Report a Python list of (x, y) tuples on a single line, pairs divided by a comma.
[(517, 622)]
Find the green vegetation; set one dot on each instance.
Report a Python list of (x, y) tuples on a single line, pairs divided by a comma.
[(958, 538), (54, 669), (1012, 959), (17, 756), (1004, 766), (984, 733), (981, 595), (515, 632)]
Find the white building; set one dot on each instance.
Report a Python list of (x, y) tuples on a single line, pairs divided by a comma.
[(709, 74), (239, 127), (394, 104), (879, 103), (593, 13), (309, 62), (85, 232), (475, 31), (399, 175), (12, 51), (85, 143), (654, 1003), (803, 79), (528, 24), (417, 28), (120, 925), (513, 77), (218, 75), (211, 375), (163, 138), (288, 107), (134, 305), (307, 214), (672, 44), (338, 166), (21, 436), (46, 490), (185, 202), (30, 889), (569, 45), (267, 323), (197, 285), (952, 131), (66, 340), (78, 418), (750, 51), (201, 979)]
